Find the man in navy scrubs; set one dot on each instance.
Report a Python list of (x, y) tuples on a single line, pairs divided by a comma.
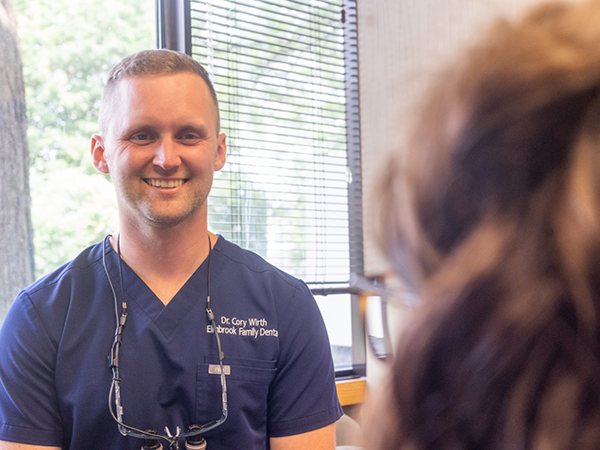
[(132, 337)]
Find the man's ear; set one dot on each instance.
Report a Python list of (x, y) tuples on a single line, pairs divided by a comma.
[(221, 152), (97, 151)]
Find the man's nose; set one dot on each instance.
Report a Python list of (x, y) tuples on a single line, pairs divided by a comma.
[(166, 155)]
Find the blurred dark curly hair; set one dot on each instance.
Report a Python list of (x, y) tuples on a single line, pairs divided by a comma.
[(496, 222)]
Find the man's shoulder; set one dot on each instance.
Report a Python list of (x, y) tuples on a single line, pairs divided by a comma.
[(49, 300), (79, 267), (252, 262)]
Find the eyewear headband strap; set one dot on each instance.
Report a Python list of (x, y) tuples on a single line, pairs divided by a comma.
[(115, 389)]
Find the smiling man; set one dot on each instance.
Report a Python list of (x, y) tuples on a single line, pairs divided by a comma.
[(165, 333)]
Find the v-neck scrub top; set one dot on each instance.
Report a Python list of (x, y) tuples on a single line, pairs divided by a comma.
[(55, 341)]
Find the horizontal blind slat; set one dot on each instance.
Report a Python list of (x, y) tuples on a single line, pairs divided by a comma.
[(275, 27), (279, 7)]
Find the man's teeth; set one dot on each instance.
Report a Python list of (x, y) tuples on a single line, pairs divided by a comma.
[(165, 184)]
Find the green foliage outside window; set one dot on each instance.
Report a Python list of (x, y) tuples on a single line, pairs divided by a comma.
[(68, 47)]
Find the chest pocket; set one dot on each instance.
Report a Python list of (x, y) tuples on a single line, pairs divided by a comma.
[(247, 395)]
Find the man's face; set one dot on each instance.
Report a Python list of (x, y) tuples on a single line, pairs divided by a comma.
[(161, 148)]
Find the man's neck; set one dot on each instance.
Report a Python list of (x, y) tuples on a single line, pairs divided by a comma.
[(164, 258)]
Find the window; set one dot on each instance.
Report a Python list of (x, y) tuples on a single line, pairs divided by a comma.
[(286, 76), (67, 48)]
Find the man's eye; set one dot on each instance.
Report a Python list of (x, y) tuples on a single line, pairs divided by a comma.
[(140, 137), (189, 138)]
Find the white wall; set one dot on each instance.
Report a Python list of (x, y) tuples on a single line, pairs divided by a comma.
[(401, 45)]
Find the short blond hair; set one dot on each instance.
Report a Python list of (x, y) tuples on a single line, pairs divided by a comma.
[(152, 62)]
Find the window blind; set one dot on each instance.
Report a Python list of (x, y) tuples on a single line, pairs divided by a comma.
[(285, 75)]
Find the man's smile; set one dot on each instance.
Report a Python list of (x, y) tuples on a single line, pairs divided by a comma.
[(164, 184)]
